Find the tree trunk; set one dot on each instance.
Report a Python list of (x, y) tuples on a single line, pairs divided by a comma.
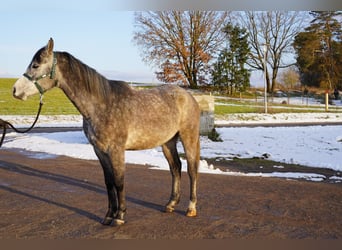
[(273, 85), (274, 77), (268, 83)]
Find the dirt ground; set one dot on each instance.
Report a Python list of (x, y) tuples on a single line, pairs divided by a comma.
[(65, 198)]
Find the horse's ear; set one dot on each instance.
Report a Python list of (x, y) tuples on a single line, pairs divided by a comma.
[(49, 46)]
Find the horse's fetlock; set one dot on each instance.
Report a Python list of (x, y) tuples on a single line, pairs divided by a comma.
[(169, 209), (120, 215)]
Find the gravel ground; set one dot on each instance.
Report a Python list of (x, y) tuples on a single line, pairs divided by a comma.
[(65, 198)]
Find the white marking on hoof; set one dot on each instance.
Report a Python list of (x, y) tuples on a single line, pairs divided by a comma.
[(169, 209), (191, 213), (118, 222)]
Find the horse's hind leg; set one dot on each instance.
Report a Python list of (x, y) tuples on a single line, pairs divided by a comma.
[(171, 154), (191, 146)]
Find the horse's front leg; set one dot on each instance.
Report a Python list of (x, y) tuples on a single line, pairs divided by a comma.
[(117, 159), (114, 180), (119, 218)]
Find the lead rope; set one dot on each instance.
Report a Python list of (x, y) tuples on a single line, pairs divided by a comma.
[(5, 124)]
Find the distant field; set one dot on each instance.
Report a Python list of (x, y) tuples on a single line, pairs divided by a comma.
[(55, 102)]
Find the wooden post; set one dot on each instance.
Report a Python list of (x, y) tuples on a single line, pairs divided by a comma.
[(326, 100)]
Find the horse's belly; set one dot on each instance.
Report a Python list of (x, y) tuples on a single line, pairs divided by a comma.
[(144, 140)]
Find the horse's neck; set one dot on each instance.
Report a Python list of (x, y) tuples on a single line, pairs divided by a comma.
[(83, 99), (89, 100)]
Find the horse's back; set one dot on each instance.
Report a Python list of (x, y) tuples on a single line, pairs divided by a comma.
[(177, 100), (169, 94), (175, 96)]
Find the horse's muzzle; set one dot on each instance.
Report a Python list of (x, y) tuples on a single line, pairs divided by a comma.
[(15, 95)]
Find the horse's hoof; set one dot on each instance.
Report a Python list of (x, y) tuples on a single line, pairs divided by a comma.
[(169, 209), (191, 213), (118, 222), (107, 221)]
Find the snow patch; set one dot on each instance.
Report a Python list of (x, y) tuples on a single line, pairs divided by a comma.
[(315, 146)]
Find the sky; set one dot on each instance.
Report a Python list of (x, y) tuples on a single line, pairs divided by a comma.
[(99, 33), (101, 39)]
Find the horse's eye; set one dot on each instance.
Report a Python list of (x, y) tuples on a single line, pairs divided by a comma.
[(35, 66)]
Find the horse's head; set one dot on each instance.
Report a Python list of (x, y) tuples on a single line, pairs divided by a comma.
[(40, 74)]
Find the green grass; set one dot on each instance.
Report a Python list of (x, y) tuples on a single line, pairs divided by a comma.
[(55, 102), (223, 110)]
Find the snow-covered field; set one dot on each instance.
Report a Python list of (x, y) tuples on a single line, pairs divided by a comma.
[(315, 146), (280, 118)]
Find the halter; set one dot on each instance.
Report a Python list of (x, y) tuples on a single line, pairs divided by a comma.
[(5, 124), (51, 74)]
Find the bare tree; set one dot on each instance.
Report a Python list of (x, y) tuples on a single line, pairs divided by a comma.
[(276, 30), (180, 43), (289, 78)]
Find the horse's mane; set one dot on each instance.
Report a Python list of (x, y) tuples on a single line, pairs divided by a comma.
[(90, 80)]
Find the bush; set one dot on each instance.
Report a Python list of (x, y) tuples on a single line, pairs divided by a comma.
[(214, 136)]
